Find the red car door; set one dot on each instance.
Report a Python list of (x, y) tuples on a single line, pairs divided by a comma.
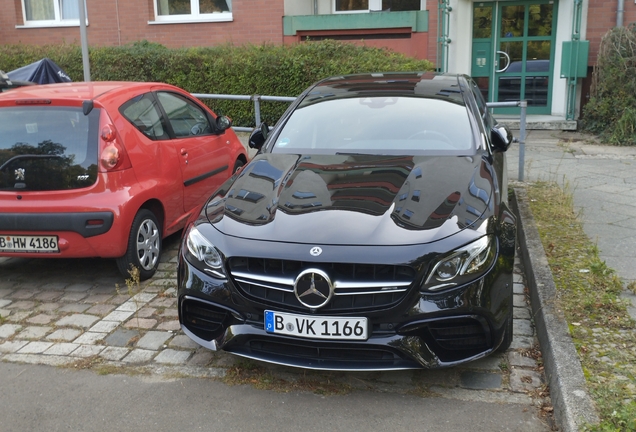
[(204, 157)]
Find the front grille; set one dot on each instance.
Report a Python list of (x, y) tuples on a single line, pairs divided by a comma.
[(204, 320), (356, 286)]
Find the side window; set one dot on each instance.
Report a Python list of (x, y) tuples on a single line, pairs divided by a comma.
[(481, 105), (142, 112), (184, 116)]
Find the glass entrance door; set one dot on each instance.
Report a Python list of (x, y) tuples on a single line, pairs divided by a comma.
[(513, 52)]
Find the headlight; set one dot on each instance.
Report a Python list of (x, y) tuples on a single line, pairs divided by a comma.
[(203, 255), (462, 265)]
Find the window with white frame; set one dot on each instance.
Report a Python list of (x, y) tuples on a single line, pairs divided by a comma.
[(354, 6), (50, 12), (192, 10)]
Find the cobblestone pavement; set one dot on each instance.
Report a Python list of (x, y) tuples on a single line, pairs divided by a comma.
[(76, 313)]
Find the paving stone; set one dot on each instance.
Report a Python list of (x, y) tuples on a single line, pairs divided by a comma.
[(100, 309), (183, 341), (114, 353), (34, 332), (145, 312), (521, 313), (121, 337), (104, 326), (90, 338), (22, 294), (170, 292), (54, 286), (118, 316), (480, 380), (78, 320), (73, 296), (169, 313), (163, 302), (8, 330), (201, 358), (64, 334), (170, 356), (35, 347), (48, 307), (4, 302), (119, 299), (48, 295), (153, 340), (523, 380), (40, 319), (86, 351), (141, 323), (143, 297), (172, 325), (61, 349), (130, 306), (12, 346), (521, 342), (5, 313), (19, 316), (490, 363), (6, 288), (519, 301), (74, 308), (519, 288), (522, 328), (517, 278), (78, 287), (517, 360), (22, 305), (97, 298), (139, 356), (104, 289), (38, 359)]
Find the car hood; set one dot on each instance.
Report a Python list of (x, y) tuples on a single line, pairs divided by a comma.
[(354, 199)]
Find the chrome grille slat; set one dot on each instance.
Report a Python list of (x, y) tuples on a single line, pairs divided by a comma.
[(364, 286)]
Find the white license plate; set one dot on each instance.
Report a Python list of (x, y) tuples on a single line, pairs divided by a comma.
[(13, 243), (316, 327)]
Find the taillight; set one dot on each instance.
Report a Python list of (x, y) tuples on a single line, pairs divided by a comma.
[(113, 156)]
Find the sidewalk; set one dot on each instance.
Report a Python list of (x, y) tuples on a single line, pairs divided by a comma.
[(602, 180)]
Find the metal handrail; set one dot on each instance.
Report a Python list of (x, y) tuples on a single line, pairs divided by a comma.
[(257, 115)]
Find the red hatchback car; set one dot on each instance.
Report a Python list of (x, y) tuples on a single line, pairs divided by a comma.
[(106, 169)]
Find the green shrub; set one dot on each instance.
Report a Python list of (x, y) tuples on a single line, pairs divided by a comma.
[(611, 110), (251, 69)]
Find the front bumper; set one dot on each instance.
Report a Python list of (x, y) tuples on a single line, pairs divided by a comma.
[(422, 331)]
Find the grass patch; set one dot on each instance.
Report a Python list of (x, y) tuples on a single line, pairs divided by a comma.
[(249, 373), (588, 293)]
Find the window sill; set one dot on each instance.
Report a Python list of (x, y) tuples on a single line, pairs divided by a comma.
[(226, 17), (49, 24)]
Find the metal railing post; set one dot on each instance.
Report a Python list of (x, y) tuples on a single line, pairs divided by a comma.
[(257, 109), (522, 138)]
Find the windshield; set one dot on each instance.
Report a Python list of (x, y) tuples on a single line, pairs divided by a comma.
[(47, 148), (377, 125)]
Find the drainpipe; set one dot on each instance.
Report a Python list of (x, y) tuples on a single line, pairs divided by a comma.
[(315, 7), (619, 13), (443, 41)]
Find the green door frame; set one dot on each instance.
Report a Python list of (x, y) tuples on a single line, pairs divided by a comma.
[(532, 82)]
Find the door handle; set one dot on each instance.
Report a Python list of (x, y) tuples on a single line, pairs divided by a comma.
[(508, 61), (184, 152)]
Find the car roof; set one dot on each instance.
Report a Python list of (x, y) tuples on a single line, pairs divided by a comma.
[(411, 84), (79, 90)]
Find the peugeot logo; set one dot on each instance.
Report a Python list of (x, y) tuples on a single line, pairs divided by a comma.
[(315, 251), (313, 288), (19, 174)]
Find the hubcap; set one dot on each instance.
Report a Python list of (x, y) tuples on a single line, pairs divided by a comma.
[(148, 244)]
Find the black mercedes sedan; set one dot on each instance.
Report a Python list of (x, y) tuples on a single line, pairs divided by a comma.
[(371, 231)]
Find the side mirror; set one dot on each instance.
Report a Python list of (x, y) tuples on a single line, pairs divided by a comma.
[(501, 137), (223, 123), (258, 136)]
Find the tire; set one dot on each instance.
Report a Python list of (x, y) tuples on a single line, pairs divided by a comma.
[(237, 165), (144, 246)]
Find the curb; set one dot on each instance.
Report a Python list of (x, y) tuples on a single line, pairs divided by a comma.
[(573, 407)]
